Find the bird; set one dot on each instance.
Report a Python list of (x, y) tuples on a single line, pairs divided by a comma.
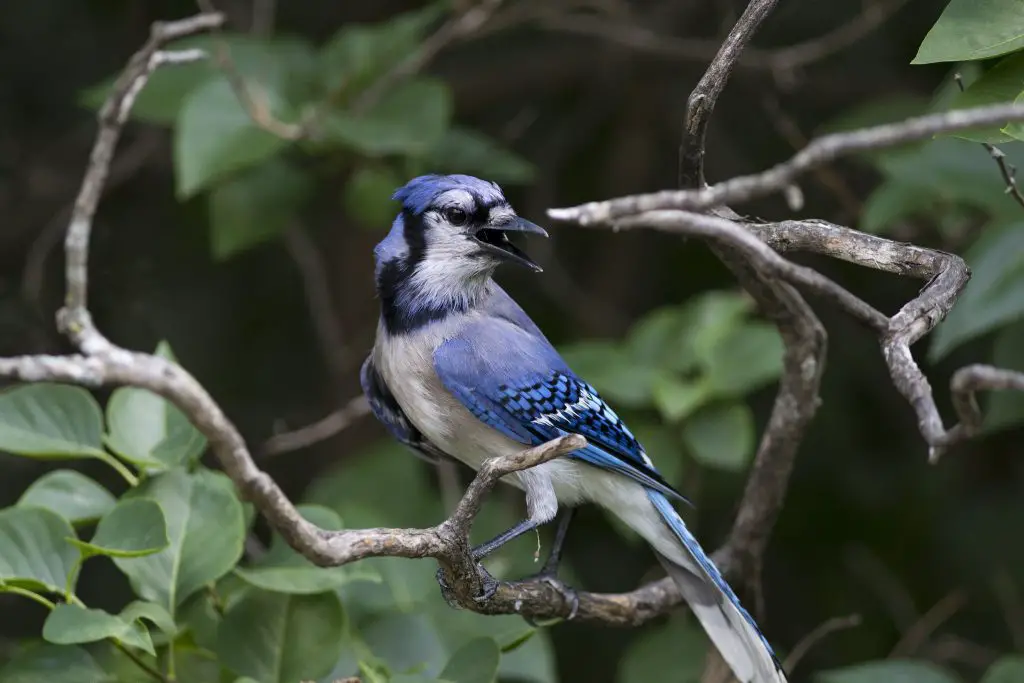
[(459, 370)]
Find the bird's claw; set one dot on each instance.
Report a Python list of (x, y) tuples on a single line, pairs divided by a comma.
[(568, 595), (488, 587)]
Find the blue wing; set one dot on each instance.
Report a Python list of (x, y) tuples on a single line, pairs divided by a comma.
[(513, 380), (387, 411)]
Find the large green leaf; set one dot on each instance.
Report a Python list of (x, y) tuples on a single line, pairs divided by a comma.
[(973, 29), (46, 663), (662, 339), (74, 625), (134, 528), (359, 53), (283, 570), (462, 150), (890, 671), (747, 358), (405, 641), (50, 421), (1008, 669), (255, 206), (368, 193), (721, 436), (206, 531), (995, 294), (409, 119), (34, 552), (274, 638), (679, 646), (70, 494), (214, 136), (475, 662), (149, 430)]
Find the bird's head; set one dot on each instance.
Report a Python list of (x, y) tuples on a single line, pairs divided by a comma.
[(451, 234)]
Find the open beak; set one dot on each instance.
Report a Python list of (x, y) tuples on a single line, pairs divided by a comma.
[(494, 238)]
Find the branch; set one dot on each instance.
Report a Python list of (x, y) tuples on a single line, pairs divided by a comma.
[(703, 98), (319, 431), (778, 178)]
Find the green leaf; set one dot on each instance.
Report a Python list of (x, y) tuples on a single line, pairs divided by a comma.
[(73, 625), (1015, 129), (973, 29), (409, 119), (134, 528), (161, 98), (255, 206), (199, 551), (50, 421), (1000, 84), (33, 551), (1006, 408), (151, 612), (405, 641), (215, 137), (475, 662), (1008, 669), (891, 671), (746, 359), (462, 150), (46, 663), (281, 638), (368, 193), (995, 294), (677, 398), (662, 339), (721, 436), (70, 494), (679, 646), (148, 430), (360, 53)]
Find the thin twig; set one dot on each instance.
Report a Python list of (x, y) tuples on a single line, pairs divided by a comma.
[(918, 634), (822, 631), (465, 24), (780, 61), (321, 430), (249, 97), (1006, 169)]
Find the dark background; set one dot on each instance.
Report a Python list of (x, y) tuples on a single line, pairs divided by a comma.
[(869, 527)]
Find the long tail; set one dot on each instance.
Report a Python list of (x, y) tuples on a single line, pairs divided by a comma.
[(713, 602)]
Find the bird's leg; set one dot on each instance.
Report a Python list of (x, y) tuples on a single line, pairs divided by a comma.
[(484, 549), (549, 572)]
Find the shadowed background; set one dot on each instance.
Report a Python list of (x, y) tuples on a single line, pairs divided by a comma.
[(595, 111)]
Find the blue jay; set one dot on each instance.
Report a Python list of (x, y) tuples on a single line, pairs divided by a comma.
[(458, 369)]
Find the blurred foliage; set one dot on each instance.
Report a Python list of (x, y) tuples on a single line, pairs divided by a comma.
[(184, 600)]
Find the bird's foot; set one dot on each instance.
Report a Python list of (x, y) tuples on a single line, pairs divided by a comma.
[(568, 595), (488, 587)]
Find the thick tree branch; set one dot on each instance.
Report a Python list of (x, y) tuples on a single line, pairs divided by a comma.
[(776, 179)]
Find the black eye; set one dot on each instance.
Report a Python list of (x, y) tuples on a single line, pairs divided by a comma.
[(456, 216)]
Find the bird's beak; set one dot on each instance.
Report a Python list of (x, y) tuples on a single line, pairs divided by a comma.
[(494, 238)]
